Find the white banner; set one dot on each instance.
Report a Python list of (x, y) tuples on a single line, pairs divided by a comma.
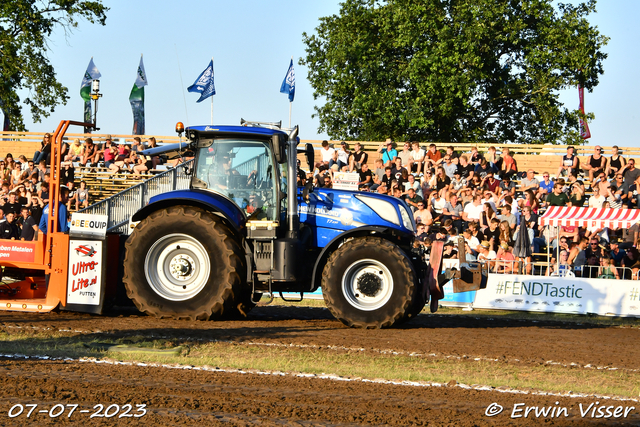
[(88, 224), (85, 272), (560, 295), (345, 181)]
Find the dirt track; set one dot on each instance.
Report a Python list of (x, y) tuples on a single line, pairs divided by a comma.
[(178, 397)]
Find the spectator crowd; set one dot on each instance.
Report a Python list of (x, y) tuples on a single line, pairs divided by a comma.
[(25, 184), (486, 199)]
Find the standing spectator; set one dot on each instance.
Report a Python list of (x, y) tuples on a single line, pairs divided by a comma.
[(417, 158), (388, 152), (8, 228), (596, 164), (28, 226), (569, 163), (615, 163)]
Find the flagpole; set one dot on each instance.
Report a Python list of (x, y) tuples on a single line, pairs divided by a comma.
[(290, 104), (212, 98)]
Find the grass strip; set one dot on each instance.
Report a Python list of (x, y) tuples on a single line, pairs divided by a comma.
[(351, 364)]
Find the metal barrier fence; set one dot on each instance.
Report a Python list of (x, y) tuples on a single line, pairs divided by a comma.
[(537, 269), (120, 207)]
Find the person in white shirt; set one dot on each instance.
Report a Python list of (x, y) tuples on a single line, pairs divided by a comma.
[(343, 155), (596, 200), (327, 154), (417, 158), (472, 211)]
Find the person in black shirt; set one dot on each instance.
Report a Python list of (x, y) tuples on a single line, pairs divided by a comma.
[(492, 234), (36, 206), (11, 204), (365, 177), (8, 228), (28, 224)]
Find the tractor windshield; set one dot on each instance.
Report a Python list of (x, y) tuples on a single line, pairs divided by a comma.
[(243, 171)]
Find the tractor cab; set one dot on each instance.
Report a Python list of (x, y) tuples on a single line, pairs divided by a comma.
[(242, 165)]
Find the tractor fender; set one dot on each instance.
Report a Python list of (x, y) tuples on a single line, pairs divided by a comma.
[(400, 238), (228, 211)]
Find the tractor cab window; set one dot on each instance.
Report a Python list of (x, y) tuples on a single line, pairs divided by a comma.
[(241, 170)]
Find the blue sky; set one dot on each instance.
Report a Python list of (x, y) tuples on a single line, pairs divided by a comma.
[(252, 43)]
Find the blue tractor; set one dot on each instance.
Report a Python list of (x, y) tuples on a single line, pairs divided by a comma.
[(244, 228)]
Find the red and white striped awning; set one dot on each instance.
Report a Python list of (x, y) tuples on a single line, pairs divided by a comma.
[(590, 217)]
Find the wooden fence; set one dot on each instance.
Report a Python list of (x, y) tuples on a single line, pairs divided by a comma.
[(537, 157)]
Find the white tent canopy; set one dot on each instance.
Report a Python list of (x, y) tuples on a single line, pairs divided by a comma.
[(590, 217)]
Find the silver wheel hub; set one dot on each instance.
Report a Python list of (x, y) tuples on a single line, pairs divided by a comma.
[(177, 267), (367, 284)]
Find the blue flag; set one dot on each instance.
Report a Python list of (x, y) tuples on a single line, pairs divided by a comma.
[(289, 83), (204, 84)]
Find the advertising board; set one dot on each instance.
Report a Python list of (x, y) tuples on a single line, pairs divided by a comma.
[(85, 272)]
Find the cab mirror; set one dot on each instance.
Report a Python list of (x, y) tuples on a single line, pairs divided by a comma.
[(279, 143)]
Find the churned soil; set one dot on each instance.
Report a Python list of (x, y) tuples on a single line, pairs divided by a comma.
[(192, 397)]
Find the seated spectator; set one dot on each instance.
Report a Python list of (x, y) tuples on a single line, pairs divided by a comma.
[(486, 255), (457, 182), (453, 211), (578, 197), (546, 187), (486, 216), (344, 156), (569, 163), (490, 183), (507, 216), (433, 157), (507, 187), (412, 199), (492, 233), (449, 251), (75, 151), (422, 215), (45, 150), (596, 200), (365, 177), (592, 267), (631, 261), (616, 162), (442, 180), (482, 169), (388, 152), (412, 183), (437, 203), (475, 156), (358, 159), (417, 158), (405, 155), (471, 245), (466, 169), (88, 152), (596, 163), (137, 144), (473, 210), (508, 167), (82, 196), (557, 197), (530, 182), (633, 195), (494, 160), (449, 167)]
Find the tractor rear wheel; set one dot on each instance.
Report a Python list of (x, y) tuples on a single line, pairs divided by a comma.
[(182, 263), (369, 283)]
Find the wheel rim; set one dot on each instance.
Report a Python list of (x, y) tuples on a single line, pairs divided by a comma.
[(177, 267), (367, 284)]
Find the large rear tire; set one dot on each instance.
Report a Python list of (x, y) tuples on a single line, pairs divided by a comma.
[(369, 283), (182, 263)]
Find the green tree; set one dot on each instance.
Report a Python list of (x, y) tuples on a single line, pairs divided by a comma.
[(25, 28), (453, 70)]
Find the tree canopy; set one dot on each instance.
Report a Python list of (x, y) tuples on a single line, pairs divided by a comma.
[(453, 70), (25, 28)]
